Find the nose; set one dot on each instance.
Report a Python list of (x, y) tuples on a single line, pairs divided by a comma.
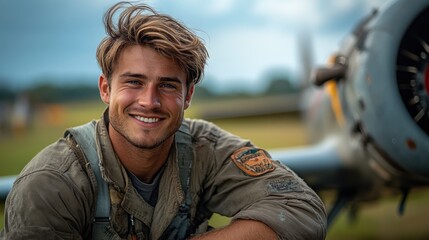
[(149, 97)]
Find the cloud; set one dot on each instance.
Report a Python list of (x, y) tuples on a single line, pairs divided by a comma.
[(316, 15), (244, 37), (245, 53), (295, 12), (220, 6)]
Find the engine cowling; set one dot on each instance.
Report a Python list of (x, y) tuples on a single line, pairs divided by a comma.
[(384, 92)]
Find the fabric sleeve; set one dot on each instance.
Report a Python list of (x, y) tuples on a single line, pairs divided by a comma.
[(289, 207), (266, 191), (239, 180), (46, 205)]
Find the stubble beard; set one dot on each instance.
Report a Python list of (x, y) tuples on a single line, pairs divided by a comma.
[(136, 142)]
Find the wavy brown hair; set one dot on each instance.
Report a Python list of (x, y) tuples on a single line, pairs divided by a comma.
[(139, 24)]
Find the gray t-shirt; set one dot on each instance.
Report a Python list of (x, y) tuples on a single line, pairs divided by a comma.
[(149, 191)]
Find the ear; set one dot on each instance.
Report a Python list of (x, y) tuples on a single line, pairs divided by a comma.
[(104, 88), (189, 95)]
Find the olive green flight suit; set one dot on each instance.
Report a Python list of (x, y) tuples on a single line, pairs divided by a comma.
[(53, 197)]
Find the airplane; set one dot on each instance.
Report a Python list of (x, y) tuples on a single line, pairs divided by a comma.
[(367, 113)]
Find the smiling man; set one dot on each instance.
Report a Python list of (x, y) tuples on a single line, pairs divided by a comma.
[(147, 95), (143, 171)]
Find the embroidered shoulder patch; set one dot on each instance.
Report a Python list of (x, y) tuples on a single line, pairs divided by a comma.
[(252, 161)]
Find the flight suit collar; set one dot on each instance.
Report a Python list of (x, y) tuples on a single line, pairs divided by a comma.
[(111, 168), (170, 194)]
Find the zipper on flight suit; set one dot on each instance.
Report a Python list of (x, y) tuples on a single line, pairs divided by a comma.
[(133, 228)]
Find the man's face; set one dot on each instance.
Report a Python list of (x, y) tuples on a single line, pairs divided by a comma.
[(147, 98)]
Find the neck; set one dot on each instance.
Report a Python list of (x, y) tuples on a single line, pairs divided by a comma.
[(143, 163)]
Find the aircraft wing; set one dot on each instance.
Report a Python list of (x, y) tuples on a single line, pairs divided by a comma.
[(6, 183)]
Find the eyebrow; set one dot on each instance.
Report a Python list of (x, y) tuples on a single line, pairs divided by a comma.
[(170, 79), (134, 75)]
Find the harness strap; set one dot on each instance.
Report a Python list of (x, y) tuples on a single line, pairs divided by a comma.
[(86, 139), (181, 226), (185, 156)]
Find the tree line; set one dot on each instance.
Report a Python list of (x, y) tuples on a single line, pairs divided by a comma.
[(53, 93)]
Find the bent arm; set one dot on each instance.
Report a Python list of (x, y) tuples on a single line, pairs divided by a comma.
[(244, 183), (240, 229), (279, 199)]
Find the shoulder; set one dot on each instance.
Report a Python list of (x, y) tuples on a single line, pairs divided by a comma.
[(57, 156), (57, 164), (202, 130), (211, 139), (56, 200), (53, 190), (213, 145)]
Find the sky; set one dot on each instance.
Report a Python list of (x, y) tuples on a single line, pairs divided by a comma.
[(55, 40)]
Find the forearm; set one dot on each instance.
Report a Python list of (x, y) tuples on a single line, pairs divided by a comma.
[(240, 229)]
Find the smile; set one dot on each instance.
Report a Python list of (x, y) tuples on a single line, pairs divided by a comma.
[(147, 120)]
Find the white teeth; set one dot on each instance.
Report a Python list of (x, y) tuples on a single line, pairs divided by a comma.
[(147, 120)]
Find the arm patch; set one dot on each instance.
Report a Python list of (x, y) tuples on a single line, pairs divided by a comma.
[(252, 161)]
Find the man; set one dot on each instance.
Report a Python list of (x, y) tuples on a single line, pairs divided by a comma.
[(165, 175)]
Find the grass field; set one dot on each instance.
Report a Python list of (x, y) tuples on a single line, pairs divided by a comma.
[(376, 220)]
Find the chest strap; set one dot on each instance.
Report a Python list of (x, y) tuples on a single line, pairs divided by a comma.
[(181, 226), (85, 136)]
